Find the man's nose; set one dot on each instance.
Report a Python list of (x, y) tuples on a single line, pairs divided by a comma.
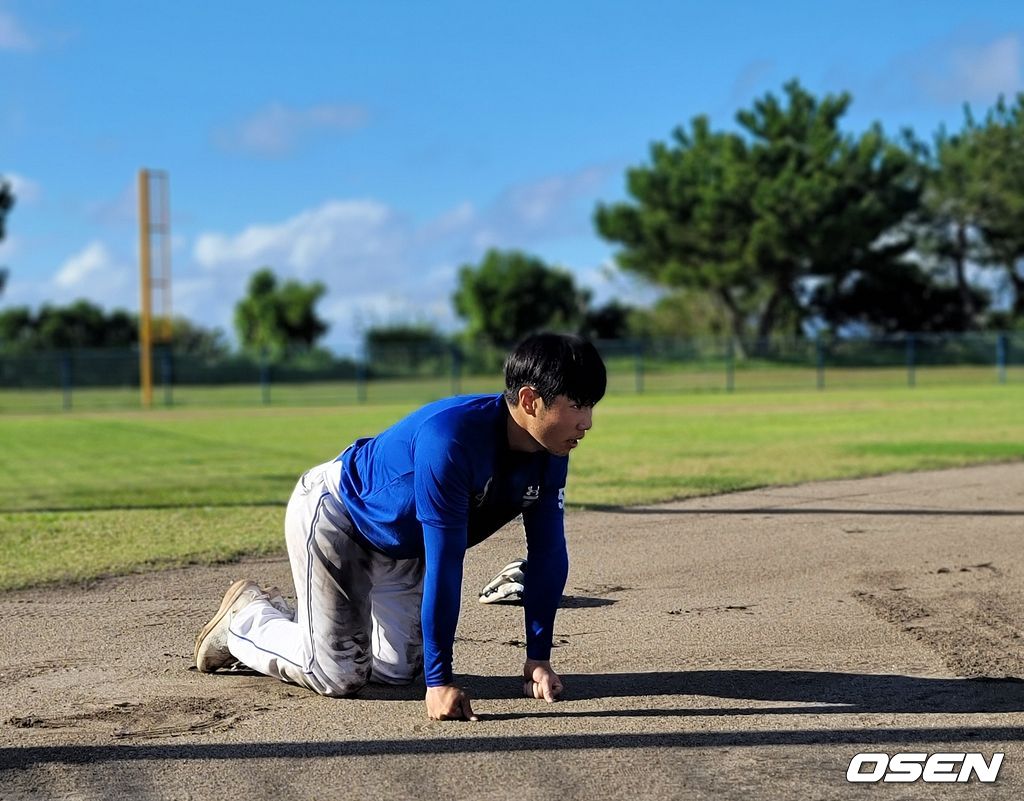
[(586, 422)]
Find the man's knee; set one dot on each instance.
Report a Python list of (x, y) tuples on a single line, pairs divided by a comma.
[(380, 677), (341, 687), (391, 673), (340, 683)]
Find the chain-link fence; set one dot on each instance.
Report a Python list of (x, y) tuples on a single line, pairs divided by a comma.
[(99, 379)]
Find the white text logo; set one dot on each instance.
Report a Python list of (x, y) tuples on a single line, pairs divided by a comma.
[(942, 767)]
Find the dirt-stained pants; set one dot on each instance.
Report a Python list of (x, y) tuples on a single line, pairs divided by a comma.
[(357, 613)]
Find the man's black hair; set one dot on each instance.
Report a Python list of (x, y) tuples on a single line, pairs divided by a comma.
[(556, 364)]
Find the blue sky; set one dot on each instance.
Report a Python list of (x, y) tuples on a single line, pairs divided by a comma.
[(377, 147)]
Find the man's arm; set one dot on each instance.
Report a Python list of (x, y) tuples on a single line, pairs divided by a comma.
[(548, 568), (442, 506), (445, 550)]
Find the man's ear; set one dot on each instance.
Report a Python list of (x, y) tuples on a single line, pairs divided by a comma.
[(529, 400)]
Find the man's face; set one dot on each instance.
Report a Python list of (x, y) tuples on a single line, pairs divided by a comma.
[(560, 427)]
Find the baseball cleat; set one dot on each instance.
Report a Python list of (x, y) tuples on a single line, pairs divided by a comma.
[(506, 587), (211, 652)]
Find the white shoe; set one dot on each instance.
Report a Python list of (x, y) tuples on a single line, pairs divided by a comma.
[(211, 652), (506, 587)]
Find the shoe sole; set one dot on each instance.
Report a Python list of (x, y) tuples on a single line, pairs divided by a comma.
[(230, 597)]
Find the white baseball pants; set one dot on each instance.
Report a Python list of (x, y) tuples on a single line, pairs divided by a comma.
[(357, 613)]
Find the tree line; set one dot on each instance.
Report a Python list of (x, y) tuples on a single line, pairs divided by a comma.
[(785, 224), (790, 221)]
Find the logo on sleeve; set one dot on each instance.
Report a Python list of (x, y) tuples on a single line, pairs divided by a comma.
[(480, 497), (532, 494)]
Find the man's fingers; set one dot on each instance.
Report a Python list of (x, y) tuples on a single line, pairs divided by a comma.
[(463, 713), (552, 691), (547, 689), (449, 703)]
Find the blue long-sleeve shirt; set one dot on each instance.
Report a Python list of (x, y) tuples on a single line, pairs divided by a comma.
[(444, 479)]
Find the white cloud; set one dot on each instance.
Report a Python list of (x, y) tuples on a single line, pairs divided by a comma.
[(76, 271), (525, 215), (96, 274), (13, 36), (358, 248), (310, 243), (610, 282), (960, 68), (277, 129), (450, 222), (378, 265), (25, 190), (545, 207), (975, 72)]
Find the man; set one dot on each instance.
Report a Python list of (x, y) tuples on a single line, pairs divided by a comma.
[(376, 538)]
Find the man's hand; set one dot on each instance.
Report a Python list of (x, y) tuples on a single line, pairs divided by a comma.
[(448, 702), (541, 681)]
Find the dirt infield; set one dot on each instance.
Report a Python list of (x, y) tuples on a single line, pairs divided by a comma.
[(742, 646)]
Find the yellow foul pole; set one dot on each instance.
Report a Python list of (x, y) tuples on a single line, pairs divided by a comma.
[(145, 309)]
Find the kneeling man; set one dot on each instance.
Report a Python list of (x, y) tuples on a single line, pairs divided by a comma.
[(376, 537)]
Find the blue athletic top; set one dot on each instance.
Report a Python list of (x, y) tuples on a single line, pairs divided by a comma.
[(444, 479)]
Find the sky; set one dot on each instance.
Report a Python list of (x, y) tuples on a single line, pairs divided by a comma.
[(377, 147)]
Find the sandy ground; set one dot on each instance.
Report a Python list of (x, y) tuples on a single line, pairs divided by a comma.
[(742, 646)]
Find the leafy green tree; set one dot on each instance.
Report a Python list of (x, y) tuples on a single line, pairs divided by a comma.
[(406, 347), (682, 314), (275, 318), (17, 329), (683, 229), (511, 294), (998, 193), (6, 204), (754, 217), (403, 335), (81, 324), (610, 321), (906, 297), (195, 340), (950, 213)]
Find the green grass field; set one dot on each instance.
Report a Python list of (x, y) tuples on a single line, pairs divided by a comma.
[(85, 494), (625, 379)]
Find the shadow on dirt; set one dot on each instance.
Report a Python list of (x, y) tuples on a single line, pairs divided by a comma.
[(807, 510), (92, 755), (787, 693), (809, 692), (825, 692)]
